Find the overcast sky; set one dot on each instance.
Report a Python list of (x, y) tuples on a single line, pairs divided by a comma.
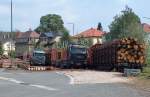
[(84, 13)]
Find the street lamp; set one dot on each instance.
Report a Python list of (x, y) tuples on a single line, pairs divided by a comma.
[(146, 17), (73, 26)]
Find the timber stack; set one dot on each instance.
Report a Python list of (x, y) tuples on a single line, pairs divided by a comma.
[(130, 51), (119, 54)]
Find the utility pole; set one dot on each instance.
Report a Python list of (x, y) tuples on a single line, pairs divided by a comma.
[(11, 17), (73, 27), (11, 24)]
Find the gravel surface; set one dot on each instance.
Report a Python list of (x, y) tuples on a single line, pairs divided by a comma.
[(91, 77)]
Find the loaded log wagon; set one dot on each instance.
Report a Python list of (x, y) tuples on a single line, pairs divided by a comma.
[(73, 56), (118, 54)]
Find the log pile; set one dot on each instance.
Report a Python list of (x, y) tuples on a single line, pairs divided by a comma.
[(129, 51), (115, 53)]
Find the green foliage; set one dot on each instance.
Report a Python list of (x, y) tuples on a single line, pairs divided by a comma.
[(127, 24), (64, 41), (85, 42), (51, 23), (99, 27), (65, 36), (146, 70), (12, 54), (148, 54), (146, 73), (147, 38), (1, 49)]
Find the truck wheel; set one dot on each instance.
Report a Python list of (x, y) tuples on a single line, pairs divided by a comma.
[(68, 66), (61, 67)]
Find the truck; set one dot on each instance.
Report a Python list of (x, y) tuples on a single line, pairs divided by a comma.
[(39, 58), (74, 56)]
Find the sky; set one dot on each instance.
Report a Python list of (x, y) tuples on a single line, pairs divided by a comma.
[(85, 14)]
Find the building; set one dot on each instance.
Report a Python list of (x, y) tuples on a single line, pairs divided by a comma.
[(48, 39), (45, 39), (146, 29), (92, 34), (7, 42), (25, 43)]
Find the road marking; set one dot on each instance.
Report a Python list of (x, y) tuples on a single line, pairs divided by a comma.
[(60, 73), (12, 80), (43, 87), (23, 83), (70, 77)]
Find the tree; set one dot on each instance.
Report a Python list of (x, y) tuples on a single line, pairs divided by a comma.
[(127, 24), (12, 54), (99, 27), (51, 23), (87, 42), (65, 40), (1, 49)]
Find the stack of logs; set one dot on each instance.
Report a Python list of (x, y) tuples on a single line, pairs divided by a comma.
[(130, 51), (115, 53)]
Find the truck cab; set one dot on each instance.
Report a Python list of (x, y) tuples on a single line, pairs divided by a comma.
[(38, 58), (77, 56)]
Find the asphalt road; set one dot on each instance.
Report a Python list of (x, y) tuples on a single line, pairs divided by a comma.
[(52, 84)]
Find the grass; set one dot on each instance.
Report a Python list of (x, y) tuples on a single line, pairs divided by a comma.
[(142, 81), (146, 73)]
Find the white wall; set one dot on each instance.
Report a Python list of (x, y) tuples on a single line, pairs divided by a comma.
[(96, 40), (8, 46)]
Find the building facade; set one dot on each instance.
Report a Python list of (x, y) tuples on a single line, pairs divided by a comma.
[(91, 36), (25, 43), (146, 29), (7, 41)]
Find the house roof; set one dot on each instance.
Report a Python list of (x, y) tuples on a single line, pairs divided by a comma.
[(91, 33), (28, 34), (50, 34), (146, 27), (47, 34)]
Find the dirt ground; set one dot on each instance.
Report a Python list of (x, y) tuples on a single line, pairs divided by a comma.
[(142, 85), (91, 77)]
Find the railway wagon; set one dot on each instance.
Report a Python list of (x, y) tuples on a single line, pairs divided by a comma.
[(118, 54), (57, 55)]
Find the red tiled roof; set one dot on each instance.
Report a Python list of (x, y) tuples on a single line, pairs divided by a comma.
[(27, 34), (146, 27), (90, 33), (18, 34)]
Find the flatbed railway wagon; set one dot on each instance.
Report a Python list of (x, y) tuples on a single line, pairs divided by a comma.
[(117, 54)]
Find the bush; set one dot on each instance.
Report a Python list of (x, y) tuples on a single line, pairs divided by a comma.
[(12, 54)]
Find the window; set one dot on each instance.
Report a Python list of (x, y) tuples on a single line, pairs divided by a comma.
[(4, 36)]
